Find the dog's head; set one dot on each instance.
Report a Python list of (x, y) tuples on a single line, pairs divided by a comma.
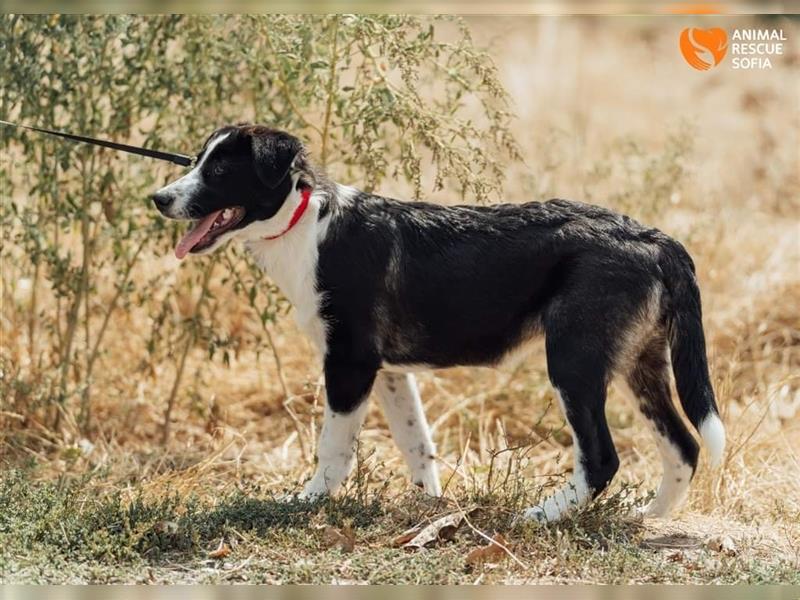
[(243, 177)]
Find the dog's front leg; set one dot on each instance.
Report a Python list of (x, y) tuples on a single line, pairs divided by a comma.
[(406, 418), (347, 390)]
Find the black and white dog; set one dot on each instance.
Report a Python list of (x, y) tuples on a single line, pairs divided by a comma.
[(384, 288)]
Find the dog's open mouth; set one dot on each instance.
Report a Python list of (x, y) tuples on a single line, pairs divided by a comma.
[(208, 229)]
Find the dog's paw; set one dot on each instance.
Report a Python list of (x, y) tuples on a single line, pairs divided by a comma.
[(309, 493), (315, 489), (653, 510), (535, 514), (288, 497), (546, 512), (429, 485)]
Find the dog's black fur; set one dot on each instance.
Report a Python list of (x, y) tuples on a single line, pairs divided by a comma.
[(413, 283), (471, 283)]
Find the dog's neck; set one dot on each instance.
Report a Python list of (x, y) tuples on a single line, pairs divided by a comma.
[(299, 226), (290, 260), (281, 246), (297, 214)]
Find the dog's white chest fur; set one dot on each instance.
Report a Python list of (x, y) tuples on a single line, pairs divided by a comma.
[(291, 262)]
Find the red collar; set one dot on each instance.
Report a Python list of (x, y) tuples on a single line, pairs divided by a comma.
[(298, 213)]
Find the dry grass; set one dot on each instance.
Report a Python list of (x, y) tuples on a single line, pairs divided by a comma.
[(607, 113)]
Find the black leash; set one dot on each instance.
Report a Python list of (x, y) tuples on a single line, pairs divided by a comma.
[(178, 159)]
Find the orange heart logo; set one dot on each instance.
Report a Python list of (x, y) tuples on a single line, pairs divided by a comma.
[(700, 45)]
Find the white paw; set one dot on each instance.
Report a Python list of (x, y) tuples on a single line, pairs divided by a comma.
[(313, 491), (291, 497), (553, 509), (287, 497), (542, 513), (572, 496), (535, 513), (309, 496), (654, 510), (429, 482), (433, 489)]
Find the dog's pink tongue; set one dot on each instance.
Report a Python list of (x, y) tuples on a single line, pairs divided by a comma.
[(195, 234)]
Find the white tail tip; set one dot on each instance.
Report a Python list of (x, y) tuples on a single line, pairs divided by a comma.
[(713, 433)]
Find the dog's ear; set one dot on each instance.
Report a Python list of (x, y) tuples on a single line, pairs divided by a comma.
[(273, 155)]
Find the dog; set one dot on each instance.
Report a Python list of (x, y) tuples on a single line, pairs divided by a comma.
[(384, 288)]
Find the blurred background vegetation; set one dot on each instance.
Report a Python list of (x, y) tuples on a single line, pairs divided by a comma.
[(353, 87)]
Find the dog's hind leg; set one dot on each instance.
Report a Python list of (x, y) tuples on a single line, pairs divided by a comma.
[(402, 406), (595, 459), (578, 372), (648, 382)]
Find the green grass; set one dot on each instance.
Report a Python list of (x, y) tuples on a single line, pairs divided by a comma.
[(70, 531)]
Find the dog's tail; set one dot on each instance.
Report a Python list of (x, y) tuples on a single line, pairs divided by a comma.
[(688, 348)]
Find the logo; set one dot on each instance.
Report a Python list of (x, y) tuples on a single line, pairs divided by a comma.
[(703, 48)]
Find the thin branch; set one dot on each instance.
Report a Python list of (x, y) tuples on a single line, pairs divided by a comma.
[(191, 338), (95, 352), (74, 310), (330, 91), (285, 87)]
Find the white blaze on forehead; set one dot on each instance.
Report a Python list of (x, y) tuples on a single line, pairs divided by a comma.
[(183, 188), (212, 143)]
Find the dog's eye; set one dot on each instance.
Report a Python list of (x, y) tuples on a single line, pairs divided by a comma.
[(218, 170)]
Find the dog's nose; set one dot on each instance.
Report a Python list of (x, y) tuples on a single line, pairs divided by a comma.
[(162, 200)]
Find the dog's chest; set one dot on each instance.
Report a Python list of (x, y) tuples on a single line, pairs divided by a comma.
[(291, 263)]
